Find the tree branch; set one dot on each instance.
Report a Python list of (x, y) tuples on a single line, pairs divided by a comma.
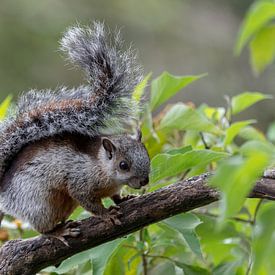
[(31, 255)]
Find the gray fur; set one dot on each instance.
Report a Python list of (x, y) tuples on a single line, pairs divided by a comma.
[(106, 103), (34, 204), (30, 192)]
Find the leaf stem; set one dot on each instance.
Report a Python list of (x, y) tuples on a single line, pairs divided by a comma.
[(257, 210), (253, 222), (206, 146), (143, 255)]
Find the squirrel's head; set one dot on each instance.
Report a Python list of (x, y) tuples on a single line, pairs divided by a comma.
[(125, 160)]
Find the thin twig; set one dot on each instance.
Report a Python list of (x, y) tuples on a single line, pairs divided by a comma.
[(249, 267), (185, 174), (206, 146), (257, 210), (143, 255), (253, 222)]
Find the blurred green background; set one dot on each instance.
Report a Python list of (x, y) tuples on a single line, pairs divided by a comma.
[(180, 36)]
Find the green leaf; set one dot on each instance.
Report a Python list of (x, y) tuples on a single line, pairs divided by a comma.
[(167, 165), (245, 100), (192, 270), (186, 225), (235, 177), (148, 127), (164, 268), (139, 90), (258, 15), (251, 133), (183, 117), (166, 85), (100, 255), (263, 239), (4, 106), (215, 114), (234, 130), (76, 214), (226, 269), (181, 150), (70, 263), (252, 147), (214, 240), (262, 49), (123, 260)]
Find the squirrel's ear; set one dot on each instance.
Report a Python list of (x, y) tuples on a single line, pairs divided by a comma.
[(109, 147)]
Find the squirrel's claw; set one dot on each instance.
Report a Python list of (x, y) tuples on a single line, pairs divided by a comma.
[(113, 214), (128, 197), (63, 230), (118, 199), (114, 208), (115, 220)]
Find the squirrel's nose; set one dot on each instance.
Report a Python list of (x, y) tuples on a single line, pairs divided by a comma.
[(145, 181)]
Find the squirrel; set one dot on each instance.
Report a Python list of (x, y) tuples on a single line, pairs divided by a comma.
[(72, 147)]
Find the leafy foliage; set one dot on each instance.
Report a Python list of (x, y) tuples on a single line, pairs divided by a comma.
[(258, 31), (167, 85), (183, 117), (245, 100), (168, 165)]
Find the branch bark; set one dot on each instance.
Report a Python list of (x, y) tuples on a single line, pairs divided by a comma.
[(31, 255)]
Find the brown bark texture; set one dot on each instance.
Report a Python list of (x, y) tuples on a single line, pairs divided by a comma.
[(31, 255)]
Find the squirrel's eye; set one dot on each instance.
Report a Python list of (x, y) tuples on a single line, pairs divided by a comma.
[(124, 165)]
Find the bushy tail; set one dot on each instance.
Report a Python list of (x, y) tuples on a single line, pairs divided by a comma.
[(103, 105), (108, 68)]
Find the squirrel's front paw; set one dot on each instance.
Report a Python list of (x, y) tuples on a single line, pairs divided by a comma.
[(128, 197), (113, 214), (118, 199), (114, 209), (125, 198)]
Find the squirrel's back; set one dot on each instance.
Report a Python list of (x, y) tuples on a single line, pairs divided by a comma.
[(105, 105)]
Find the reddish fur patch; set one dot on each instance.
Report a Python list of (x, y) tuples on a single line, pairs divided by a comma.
[(62, 204), (108, 191), (53, 106), (61, 106)]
